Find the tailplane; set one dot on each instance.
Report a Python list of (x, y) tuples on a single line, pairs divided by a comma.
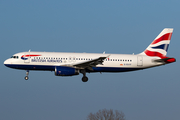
[(159, 47)]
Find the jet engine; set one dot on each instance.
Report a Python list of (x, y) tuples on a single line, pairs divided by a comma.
[(65, 71)]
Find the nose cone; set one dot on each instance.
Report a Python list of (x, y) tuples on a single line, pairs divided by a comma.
[(7, 62)]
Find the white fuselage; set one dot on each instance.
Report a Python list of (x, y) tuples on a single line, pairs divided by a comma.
[(49, 60)]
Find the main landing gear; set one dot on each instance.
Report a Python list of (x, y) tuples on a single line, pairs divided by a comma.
[(84, 78), (27, 73)]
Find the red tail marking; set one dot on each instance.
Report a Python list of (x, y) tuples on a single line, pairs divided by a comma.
[(171, 60), (154, 54), (162, 38)]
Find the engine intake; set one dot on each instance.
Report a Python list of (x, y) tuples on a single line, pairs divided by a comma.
[(65, 71)]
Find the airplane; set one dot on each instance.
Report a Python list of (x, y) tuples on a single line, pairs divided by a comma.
[(69, 64)]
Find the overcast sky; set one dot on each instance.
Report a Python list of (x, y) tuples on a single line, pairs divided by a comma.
[(91, 26)]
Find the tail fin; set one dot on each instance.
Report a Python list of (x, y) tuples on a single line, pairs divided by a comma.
[(159, 47)]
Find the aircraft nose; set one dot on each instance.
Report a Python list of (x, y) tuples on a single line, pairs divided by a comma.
[(6, 62)]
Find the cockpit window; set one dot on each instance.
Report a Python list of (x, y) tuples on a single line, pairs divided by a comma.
[(15, 57)]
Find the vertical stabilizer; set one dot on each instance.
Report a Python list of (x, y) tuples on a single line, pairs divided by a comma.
[(159, 47)]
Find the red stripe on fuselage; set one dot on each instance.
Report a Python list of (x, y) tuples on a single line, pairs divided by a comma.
[(30, 55)]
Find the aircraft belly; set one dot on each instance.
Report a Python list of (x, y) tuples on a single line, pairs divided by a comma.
[(31, 67), (114, 69)]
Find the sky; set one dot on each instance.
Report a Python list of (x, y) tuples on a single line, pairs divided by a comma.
[(92, 26)]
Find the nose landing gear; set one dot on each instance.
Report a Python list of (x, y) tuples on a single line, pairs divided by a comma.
[(27, 73)]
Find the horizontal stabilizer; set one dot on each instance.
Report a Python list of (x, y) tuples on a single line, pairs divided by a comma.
[(166, 60)]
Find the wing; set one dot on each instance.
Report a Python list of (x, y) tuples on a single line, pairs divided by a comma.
[(91, 63)]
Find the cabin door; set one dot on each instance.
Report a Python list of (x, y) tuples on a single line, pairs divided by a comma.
[(139, 61)]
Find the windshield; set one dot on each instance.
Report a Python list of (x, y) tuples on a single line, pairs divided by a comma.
[(15, 57)]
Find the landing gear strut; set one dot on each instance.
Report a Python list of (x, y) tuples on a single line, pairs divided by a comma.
[(84, 78), (27, 73)]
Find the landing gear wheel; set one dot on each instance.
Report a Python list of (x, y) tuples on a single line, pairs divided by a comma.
[(26, 78), (27, 73), (84, 79)]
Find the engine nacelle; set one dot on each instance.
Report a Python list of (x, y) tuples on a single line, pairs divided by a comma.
[(65, 71)]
